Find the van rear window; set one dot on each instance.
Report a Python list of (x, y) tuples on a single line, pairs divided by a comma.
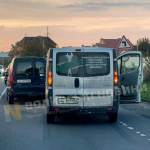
[(82, 64), (24, 68)]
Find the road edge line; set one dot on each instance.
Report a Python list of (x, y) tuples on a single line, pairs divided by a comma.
[(3, 93)]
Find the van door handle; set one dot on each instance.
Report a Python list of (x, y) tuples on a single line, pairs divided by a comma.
[(76, 83)]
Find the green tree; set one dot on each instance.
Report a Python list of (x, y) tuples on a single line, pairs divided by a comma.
[(34, 48), (14, 51), (144, 47)]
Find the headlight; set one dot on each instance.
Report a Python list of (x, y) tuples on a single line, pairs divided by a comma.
[(2, 70)]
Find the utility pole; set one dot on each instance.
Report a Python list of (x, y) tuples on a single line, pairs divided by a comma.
[(137, 45), (48, 33)]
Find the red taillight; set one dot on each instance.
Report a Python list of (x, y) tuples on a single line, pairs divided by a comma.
[(115, 77), (50, 78), (11, 78)]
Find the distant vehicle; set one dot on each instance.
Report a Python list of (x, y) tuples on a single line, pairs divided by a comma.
[(6, 72), (1, 70), (26, 78), (86, 80)]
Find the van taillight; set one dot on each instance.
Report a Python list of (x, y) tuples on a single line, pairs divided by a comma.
[(50, 78), (116, 78), (11, 78)]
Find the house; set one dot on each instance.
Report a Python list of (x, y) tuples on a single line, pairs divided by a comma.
[(46, 42), (5, 59), (38, 39), (110, 43), (4, 54)]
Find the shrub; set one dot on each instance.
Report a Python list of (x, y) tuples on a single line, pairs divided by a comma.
[(146, 74)]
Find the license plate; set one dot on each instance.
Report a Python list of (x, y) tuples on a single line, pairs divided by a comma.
[(68, 101), (72, 101), (24, 81)]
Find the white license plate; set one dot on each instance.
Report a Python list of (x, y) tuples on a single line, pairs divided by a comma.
[(24, 81), (68, 101)]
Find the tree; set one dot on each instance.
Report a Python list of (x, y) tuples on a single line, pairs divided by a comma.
[(33, 48), (144, 47), (14, 50)]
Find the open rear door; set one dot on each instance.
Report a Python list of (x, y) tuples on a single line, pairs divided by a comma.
[(130, 70)]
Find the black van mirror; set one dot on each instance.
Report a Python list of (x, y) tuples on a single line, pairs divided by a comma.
[(42, 70)]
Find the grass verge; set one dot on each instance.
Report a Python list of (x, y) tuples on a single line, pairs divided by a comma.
[(145, 91)]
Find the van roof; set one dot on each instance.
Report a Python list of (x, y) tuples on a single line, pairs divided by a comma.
[(29, 57)]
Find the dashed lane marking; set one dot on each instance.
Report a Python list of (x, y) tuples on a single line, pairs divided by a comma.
[(142, 135), (124, 124), (130, 128), (138, 132)]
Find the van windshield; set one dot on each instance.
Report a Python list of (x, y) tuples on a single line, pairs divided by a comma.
[(1, 67), (82, 64), (24, 68)]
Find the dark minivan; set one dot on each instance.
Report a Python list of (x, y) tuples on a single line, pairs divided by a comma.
[(26, 78)]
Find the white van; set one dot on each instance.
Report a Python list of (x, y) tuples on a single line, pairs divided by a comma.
[(82, 80)]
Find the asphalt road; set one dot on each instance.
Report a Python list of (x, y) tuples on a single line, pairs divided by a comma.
[(92, 132)]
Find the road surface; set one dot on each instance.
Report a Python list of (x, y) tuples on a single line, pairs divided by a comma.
[(92, 132)]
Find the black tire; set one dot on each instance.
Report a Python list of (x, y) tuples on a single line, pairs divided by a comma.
[(10, 99), (112, 117), (50, 118)]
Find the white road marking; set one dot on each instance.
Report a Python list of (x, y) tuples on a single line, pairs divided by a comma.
[(149, 139), (121, 122), (142, 134), (137, 132), (124, 124), (3, 93), (130, 128)]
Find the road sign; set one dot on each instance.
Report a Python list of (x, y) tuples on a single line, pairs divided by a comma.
[(124, 44)]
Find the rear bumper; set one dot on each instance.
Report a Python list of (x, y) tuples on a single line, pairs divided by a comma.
[(82, 110), (24, 92)]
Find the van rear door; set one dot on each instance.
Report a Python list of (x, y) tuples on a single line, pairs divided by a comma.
[(130, 68), (67, 77), (98, 77), (23, 71)]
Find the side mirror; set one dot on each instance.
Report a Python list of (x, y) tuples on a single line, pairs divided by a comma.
[(42, 71)]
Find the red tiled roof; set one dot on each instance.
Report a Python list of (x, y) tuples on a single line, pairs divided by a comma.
[(109, 43)]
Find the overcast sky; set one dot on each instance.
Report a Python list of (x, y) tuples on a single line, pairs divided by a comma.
[(73, 22)]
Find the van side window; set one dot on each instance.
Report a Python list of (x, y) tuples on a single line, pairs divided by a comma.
[(130, 63)]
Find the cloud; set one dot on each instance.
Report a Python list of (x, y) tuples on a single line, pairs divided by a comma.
[(103, 6)]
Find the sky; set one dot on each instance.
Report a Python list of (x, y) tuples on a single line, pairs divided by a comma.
[(73, 22)]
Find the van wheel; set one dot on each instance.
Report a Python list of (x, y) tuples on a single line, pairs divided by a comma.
[(112, 117), (10, 99), (50, 118)]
